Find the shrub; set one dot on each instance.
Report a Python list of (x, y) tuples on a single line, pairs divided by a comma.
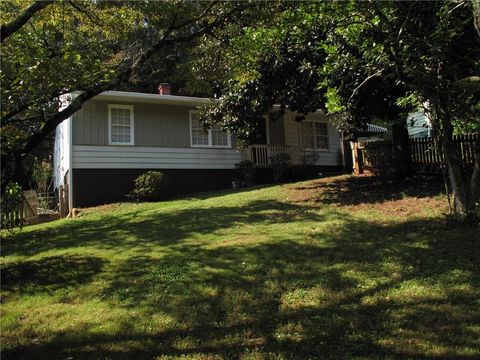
[(12, 207), (280, 163), (309, 158), (42, 174), (149, 186), (244, 171)]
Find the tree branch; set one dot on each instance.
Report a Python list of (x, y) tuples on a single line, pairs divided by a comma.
[(124, 75), (8, 29), (378, 73)]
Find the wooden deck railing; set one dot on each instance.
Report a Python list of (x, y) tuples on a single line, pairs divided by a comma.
[(260, 154)]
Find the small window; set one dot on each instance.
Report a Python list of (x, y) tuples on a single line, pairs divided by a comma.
[(219, 137), (308, 138), (120, 120), (199, 135), (321, 136), (213, 137), (314, 135)]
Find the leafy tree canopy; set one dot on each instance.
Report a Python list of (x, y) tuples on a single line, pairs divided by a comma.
[(50, 49), (365, 61)]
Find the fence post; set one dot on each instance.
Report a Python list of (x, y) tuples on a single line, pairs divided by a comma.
[(357, 161)]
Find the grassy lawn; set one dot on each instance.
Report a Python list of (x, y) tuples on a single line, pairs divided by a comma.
[(343, 267)]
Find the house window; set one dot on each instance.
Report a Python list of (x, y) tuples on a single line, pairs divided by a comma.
[(120, 124), (219, 137), (199, 135), (321, 136), (213, 137), (314, 135)]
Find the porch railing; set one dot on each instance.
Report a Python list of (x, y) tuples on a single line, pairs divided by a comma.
[(260, 154)]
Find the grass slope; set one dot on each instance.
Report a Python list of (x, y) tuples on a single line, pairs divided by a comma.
[(334, 268)]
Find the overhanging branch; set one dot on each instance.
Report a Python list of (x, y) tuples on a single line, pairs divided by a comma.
[(124, 75), (378, 73), (9, 29)]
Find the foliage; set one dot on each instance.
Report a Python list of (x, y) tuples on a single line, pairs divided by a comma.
[(233, 52), (345, 267), (149, 186), (309, 158), (42, 176), (243, 173), (416, 55), (280, 163), (12, 207), (280, 71), (367, 61), (86, 47)]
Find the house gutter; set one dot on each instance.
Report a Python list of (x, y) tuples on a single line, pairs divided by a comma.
[(151, 98)]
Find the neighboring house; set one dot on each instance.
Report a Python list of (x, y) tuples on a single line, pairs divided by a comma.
[(117, 135), (418, 125)]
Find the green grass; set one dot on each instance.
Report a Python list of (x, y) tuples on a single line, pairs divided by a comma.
[(343, 268)]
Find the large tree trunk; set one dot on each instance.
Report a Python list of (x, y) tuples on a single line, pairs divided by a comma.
[(463, 181), (476, 15), (464, 203)]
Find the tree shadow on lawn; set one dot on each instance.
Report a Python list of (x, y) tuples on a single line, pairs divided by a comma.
[(147, 229), (357, 190), (360, 290), (207, 195), (49, 274)]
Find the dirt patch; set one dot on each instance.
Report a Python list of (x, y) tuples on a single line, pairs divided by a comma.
[(397, 198), (101, 208)]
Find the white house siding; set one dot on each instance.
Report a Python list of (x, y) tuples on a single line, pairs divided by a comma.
[(418, 124), (292, 130), (61, 155), (276, 131), (331, 157), (138, 157)]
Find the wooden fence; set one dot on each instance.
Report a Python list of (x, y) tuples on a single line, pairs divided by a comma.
[(13, 217), (30, 204), (379, 157), (374, 158), (22, 212), (427, 153)]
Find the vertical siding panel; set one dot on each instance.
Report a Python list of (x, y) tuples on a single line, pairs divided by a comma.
[(87, 124), (291, 130), (77, 124), (81, 126), (140, 123), (277, 131), (103, 111), (93, 123), (98, 119)]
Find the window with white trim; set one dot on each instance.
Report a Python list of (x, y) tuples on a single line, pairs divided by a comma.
[(213, 137), (314, 135), (120, 124)]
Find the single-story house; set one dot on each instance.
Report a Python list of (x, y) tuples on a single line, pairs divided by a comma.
[(418, 125), (117, 135)]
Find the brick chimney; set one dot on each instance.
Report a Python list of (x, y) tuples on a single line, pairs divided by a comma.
[(164, 89)]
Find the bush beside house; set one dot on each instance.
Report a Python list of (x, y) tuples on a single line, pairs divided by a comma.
[(149, 186)]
